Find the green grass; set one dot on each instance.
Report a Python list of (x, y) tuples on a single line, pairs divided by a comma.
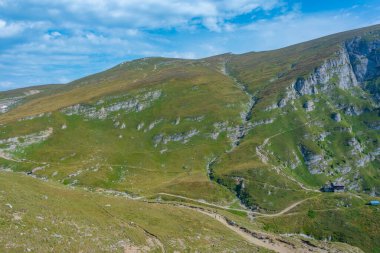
[(336, 217), (47, 216), (93, 153)]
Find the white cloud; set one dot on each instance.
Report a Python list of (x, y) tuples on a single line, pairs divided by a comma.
[(10, 29), (6, 85), (295, 27), (148, 13)]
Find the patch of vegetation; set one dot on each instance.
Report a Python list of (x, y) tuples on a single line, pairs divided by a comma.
[(336, 217)]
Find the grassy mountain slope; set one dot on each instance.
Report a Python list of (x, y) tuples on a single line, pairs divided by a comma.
[(265, 129), (173, 123)]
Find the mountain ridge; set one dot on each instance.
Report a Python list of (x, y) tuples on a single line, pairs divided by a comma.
[(259, 130), (319, 40)]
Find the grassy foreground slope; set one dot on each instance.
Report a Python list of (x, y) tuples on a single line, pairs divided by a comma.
[(41, 216)]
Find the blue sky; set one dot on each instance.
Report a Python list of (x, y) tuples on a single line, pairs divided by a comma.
[(56, 41)]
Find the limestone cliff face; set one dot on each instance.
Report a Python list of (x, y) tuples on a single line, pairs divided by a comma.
[(355, 69), (337, 69), (357, 62), (364, 56)]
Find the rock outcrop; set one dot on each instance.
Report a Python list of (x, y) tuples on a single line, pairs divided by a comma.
[(178, 137), (102, 109), (336, 117), (315, 163), (365, 58), (309, 106), (356, 62)]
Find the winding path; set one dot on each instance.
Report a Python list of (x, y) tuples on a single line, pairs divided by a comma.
[(258, 238), (290, 207), (264, 241)]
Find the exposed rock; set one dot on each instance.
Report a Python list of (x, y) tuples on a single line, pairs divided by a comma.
[(12, 144), (177, 121), (179, 137), (315, 163), (140, 126), (7, 103), (356, 146), (17, 216), (197, 119), (246, 115), (157, 139), (365, 60), (336, 117), (344, 169), (35, 116), (75, 174), (263, 122), (214, 135), (375, 153), (296, 162), (362, 161), (303, 87), (135, 104), (38, 168), (31, 92), (219, 128), (309, 106), (336, 70), (237, 133), (375, 125), (153, 124), (323, 135), (352, 111), (271, 107), (364, 55), (209, 165), (317, 123), (261, 152)]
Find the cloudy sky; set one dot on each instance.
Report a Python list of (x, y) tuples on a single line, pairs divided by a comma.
[(56, 41)]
